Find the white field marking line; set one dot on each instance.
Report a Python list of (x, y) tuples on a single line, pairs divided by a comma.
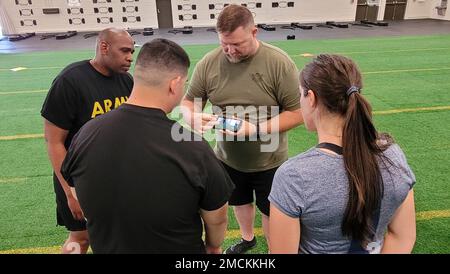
[(20, 110), (23, 92), (364, 73), (374, 52), (36, 68)]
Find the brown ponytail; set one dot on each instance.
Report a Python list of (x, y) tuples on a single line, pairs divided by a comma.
[(360, 151), (336, 83)]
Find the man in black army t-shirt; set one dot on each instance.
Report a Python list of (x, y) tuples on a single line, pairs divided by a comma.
[(141, 190), (81, 92)]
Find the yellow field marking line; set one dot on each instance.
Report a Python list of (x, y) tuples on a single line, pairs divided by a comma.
[(25, 136), (433, 214), (379, 112), (46, 68), (21, 179), (13, 180), (231, 234), (236, 233), (35, 250), (24, 92), (394, 111), (404, 70)]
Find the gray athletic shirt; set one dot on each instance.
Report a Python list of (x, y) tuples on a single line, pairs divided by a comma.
[(313, 186)]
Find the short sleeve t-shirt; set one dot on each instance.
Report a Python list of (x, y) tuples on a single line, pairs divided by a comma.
[(80, 93), (255, 89), (313, 186), (140, 190)]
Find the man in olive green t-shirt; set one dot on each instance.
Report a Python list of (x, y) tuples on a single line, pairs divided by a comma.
[(258, 84)]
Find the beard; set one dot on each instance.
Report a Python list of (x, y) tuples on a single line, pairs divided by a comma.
[(236, 59)]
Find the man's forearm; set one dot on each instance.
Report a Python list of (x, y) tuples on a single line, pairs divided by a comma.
[(189, 108), (57, 153), (282, 122)]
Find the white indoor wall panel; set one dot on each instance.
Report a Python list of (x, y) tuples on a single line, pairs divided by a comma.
[(381, 9), (81, 15), (85, 15), (327, 10), (190, 13), (434, 12), (306, 11), (418, 9), (276, 12), (264, 11), (199, 13), (205, 13)]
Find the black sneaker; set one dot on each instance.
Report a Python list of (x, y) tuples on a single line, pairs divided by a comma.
[(241, 247)]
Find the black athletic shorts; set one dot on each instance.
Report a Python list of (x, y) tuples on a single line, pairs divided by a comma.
[(250, 184), (64, 216)]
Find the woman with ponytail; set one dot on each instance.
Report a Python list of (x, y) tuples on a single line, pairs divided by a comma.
[(352, 193)]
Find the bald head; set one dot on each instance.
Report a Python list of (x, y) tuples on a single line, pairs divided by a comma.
[(109, 35), (115, 48)]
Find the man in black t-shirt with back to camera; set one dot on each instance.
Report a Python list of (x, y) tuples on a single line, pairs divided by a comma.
[(81, 92), (145, 184)]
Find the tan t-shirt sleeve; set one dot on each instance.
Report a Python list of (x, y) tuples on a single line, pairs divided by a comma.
[(197, 86), (288, 95)]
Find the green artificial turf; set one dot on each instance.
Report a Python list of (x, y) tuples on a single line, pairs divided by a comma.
[(399, 73)]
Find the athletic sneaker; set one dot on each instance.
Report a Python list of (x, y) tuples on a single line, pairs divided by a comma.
[(241, 247)]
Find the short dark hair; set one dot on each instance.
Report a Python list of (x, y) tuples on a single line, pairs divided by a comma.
[(164, 55), (233, 17)]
